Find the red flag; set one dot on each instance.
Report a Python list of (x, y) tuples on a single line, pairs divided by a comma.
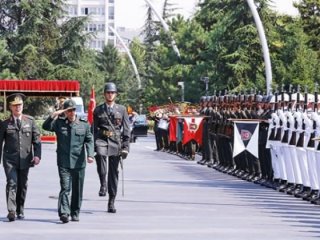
[(92, 105), (192, 129), (173, 129)]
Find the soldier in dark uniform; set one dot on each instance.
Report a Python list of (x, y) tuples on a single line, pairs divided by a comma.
[(74, 145), (111, 134), (22, 149)]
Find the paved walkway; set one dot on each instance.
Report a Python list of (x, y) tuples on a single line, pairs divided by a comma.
[(166, 197)]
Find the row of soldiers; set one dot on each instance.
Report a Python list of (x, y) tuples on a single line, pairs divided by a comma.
[(289, 153)]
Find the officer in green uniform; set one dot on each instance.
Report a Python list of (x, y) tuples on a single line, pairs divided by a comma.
[(74, 146), (22, 149), (112, 135)]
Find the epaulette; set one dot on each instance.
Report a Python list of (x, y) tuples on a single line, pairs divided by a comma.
[(28, 116), (83, 119)]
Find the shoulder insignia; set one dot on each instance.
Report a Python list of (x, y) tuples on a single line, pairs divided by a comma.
[(27, 116), (83, 119)]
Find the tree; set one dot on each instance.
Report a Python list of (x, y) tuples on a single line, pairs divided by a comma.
[(310, 17)]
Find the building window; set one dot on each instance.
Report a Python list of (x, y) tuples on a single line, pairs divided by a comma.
[(111, 1), (92, 11), (84, 11), (72, 10), (101, 27), (111, 13)]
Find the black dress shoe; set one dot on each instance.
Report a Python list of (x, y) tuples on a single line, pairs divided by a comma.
[(310, 195), (302, 193), (74, 218), (315, 200), (244, 176), (11, 216), (103, 191), (231, 170), (64, 218), (249, 178), (282, 187), (20, 216), (256, 179)]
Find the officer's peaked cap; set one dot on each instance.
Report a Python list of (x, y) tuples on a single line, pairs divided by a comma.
[(16, 98), (110, 87), (69, 104)]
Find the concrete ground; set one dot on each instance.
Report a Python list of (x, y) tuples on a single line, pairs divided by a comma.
[(166, 197)]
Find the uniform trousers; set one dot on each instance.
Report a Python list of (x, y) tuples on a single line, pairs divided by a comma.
[(109, 166), (70, 180), (16, 188)]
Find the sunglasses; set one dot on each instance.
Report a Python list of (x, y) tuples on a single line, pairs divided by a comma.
[(71, 110), (110, 92)]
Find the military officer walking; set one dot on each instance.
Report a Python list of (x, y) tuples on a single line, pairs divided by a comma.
[(112, 134), (74, 146), (21, 149)]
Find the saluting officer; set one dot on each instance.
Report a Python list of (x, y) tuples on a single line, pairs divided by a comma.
[(112, 134), (22, 149), (74, 146)]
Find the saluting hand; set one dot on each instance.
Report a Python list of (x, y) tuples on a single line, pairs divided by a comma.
[(90, 160), (36, 160), (57, 113)]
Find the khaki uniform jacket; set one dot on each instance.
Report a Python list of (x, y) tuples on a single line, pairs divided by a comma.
[(74, 141), (19, 145)]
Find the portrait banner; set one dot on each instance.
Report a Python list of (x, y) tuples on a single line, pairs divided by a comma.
[(246, 137), (192, 129)]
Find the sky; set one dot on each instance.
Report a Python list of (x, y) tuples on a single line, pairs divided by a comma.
[(132, 13)]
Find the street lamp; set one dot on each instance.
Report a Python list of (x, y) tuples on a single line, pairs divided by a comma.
[(181, 84), (206, 81)]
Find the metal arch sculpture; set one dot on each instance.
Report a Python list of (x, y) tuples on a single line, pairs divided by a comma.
[(165, 27), (264, 44), (261, 32), (129, 55)]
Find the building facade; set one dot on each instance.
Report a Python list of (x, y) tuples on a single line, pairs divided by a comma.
[(101, 15)]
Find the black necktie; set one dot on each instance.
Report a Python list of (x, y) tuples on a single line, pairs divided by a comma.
[(18, 123)]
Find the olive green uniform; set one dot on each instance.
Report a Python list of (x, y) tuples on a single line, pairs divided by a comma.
[(21, 144), (74, 145)]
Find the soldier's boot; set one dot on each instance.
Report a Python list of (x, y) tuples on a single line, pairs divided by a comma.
[(307, 196), (295, 189), (304, 191), (103, 186), (315, 198), (290, 187), (283, 185), (111, 208), (314, 195)]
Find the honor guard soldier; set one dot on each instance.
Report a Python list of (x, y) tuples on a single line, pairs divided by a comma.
[(74, 145), (22, 149), (112, 136)]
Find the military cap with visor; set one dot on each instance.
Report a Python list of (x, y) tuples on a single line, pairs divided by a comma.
[(16, 98), (69, 104)]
